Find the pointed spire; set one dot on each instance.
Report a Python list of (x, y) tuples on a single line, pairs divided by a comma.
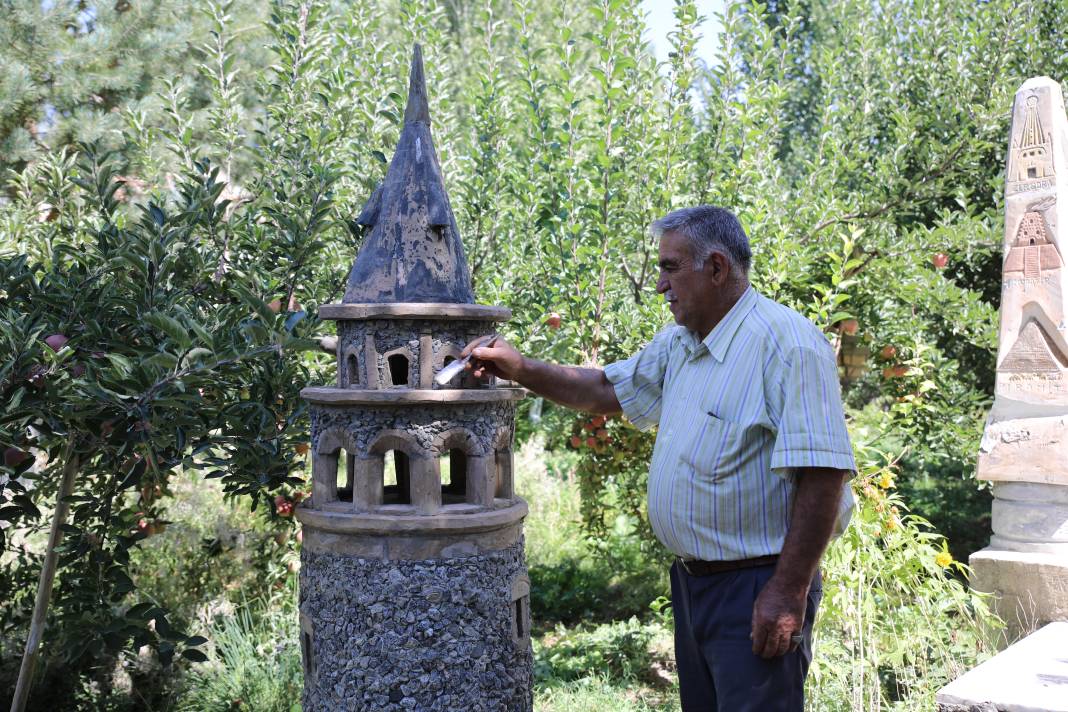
[(417, 108), (412, 251)]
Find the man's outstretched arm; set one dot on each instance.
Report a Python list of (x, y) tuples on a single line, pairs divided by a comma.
[(580, 388)]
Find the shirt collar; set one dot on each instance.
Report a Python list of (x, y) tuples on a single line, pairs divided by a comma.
[(719, 339)]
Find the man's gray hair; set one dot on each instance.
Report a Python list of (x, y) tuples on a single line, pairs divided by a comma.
[(709, 229)]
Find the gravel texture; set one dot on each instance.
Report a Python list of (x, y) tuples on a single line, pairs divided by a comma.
[(414, 635), (488, 423)]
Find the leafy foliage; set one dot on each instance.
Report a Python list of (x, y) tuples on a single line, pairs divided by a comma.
[(184, 246)]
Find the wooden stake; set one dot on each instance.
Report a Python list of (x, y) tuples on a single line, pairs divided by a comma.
[(44, 586)]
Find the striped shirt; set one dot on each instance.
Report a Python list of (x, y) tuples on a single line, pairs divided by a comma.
[(737, 414)]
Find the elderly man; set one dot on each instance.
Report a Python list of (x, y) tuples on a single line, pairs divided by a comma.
[(748, 476)]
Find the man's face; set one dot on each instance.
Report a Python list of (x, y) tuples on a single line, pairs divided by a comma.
[(692, 296)]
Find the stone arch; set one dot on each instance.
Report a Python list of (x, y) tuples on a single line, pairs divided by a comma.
[(471, 477), (454, 438), (417, 480), (520, 596), (325, 464), (393, 439), (447, 354), (504, 464), (349, 367), (398, 366)]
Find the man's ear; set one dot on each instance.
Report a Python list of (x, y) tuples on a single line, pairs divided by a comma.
[(721, 267)]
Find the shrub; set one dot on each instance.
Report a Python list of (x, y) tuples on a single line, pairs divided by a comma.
[(255, 662), (613, 651)]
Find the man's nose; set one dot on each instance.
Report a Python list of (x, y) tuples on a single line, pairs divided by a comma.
[(662, 285)]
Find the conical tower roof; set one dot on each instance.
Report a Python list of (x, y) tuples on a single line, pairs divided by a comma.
[(412, 252)]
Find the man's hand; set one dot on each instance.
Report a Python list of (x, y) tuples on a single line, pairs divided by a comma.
[(500, 360), (778, 613), (779, 610), (580, 388)]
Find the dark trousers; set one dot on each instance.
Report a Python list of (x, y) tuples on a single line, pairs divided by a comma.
[(718, 671)]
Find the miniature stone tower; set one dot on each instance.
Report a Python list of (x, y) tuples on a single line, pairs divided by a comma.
[(413, 586), (1024, 451)]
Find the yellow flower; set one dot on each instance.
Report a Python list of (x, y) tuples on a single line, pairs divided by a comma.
[(891, 524), (886, 480), (943, 559)]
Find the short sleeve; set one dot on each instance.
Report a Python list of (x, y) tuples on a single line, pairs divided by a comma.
[(639, 381), (812, 430)]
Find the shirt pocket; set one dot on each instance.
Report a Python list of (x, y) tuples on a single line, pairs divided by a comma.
[(715, 448)]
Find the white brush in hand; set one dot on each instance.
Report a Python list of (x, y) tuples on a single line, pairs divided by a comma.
[(449, 372)]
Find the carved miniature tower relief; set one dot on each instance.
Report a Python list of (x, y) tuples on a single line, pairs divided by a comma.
[(413, 586), (1024, 450)]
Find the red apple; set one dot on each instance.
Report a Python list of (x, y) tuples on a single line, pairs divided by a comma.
[(275, 305), (13, 456), (56, 341), (553, 320), (940, 260), (599, 420), (887, 352), (576, 442), (601, 433), (849, 327), (591, 441), (302, 448)]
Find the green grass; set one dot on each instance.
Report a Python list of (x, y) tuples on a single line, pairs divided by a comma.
[(255, 662)]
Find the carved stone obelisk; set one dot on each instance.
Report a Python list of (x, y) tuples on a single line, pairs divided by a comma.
[(1024, 450)]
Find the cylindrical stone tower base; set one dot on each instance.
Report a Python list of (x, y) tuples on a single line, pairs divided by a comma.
[(446, 630)]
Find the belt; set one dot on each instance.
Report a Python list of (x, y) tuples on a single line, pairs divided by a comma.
[(706, 568)]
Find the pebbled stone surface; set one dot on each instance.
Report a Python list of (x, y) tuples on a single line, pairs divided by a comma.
[(488, 423), (446, 337), (415, 635)]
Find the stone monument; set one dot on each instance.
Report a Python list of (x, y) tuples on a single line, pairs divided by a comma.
[(413, 586), (1024, 450)]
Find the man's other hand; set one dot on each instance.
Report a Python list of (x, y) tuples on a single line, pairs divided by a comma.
[(778, 613), (500, 359)]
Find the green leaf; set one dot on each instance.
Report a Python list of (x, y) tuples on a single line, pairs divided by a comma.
[(195, 655)]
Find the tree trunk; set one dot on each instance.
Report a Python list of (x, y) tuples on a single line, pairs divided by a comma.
[(44, 587)]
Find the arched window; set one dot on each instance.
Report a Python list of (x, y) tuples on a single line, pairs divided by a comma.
[(397, 481), (452, 353), (352, 369), (504, 487), (453, 476), (521, 611), (344, 487), (325, 485), (398, 365)]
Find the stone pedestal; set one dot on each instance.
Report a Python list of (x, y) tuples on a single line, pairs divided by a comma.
[(1024, 451), (1030, 676)]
